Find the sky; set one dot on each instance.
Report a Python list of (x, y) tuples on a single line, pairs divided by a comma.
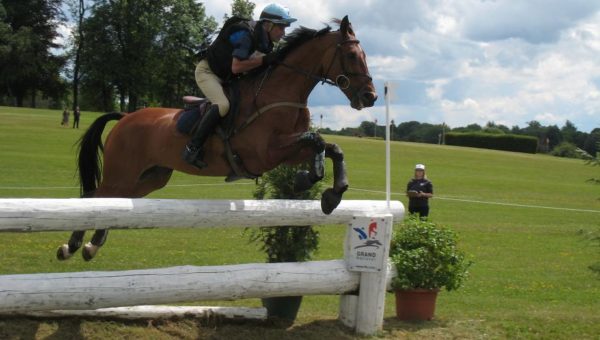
[(464, 62)]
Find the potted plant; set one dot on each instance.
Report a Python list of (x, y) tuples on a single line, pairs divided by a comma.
[(285, 243), (426, 259)]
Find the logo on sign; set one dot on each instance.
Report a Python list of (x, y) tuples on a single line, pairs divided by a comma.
[(368, 235)]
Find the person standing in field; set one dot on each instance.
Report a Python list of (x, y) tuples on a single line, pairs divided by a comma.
[(65, 118), (419, 190), (76, 114)]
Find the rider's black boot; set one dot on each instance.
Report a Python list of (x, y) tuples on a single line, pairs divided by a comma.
[(194, 153)]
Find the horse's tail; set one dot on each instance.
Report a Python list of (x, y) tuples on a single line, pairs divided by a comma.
[(90, 151)]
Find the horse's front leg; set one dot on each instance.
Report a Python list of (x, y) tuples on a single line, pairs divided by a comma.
[(332, 197), (305, 179)]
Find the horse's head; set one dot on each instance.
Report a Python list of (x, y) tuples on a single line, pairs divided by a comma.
[(347, 67)]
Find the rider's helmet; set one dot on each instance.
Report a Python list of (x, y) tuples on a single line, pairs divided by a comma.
[(276, 14)]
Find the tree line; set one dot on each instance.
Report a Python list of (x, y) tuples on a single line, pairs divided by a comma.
[(559, 141), (121, 54)]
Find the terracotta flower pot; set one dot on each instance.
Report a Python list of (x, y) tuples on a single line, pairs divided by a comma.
[(415, 305)]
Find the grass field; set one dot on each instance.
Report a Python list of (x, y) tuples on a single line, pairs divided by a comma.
[(523, 218)]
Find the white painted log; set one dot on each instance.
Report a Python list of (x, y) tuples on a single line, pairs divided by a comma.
[(124, 213), (348, 306), (92, 290), (157, 312), (371, 297)]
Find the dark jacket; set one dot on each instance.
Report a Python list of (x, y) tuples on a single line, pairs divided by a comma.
[(240, 39), (419, 185)]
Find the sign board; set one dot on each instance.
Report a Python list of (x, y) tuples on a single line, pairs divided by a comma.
[(367, 243)]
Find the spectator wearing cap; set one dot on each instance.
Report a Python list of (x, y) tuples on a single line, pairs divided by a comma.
[(419, 190)]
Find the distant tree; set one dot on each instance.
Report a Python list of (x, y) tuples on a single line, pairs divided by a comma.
[(367, 128), (241, 8), (591, 142), (144, 50), (28, 64), (403, 130), (568, 132), (553, 136), (492, 127), (78, 11)]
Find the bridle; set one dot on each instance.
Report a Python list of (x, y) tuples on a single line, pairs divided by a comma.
[(342, 81)]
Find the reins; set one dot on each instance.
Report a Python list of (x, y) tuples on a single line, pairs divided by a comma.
[(342, 80)]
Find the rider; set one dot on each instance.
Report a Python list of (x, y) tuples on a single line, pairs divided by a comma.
[(238, 48)]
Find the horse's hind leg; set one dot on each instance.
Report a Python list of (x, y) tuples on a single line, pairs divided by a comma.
[(91, 248), (67, 250), (152, 179)]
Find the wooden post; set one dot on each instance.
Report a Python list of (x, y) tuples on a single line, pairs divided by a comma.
[(371, 298), (348, 302)]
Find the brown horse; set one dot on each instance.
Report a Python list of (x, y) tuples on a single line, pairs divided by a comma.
[(144, 147)]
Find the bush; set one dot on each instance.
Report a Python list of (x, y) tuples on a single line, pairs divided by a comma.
[(565, 149), (506, 142), (426, 257), (285, 243)]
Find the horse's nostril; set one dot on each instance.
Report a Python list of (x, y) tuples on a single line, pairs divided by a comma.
[(369, 98)]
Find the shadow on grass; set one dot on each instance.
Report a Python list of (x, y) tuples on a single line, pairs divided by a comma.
[(193, 328)]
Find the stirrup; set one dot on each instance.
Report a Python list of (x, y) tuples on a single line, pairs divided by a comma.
[(193, 155)]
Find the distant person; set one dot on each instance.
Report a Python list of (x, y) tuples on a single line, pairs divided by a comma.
[(76, 115), (65, 118), (419, 190)]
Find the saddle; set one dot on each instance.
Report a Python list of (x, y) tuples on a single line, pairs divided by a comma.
[(194, 110)]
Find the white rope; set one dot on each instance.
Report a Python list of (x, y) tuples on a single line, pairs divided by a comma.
[(354, 189), (489, 202)]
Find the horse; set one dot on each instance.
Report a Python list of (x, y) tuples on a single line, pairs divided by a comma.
[(272, 127)]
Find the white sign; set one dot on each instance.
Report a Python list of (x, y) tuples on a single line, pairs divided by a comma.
[(368, 240)]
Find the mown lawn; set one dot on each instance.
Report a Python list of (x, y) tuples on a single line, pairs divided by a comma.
[(523, 218)]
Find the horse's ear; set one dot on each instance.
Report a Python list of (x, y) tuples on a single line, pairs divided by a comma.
[(346, 27)]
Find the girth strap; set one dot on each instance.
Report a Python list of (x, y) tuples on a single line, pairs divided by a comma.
[(264, 109), (235, 162)]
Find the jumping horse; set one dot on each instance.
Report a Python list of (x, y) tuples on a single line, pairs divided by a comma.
[(272, 128)]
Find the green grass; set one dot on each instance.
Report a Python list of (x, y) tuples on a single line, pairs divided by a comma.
[(521, 217)]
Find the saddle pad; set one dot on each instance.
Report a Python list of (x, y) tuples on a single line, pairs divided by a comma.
[(189, 119)]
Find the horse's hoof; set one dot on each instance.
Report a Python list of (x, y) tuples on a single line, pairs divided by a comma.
[(89, 251), (302, 181), (62, 253), (330, 200)]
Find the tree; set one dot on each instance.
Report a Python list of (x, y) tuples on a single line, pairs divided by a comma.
[(28, 65), (78, 10), (144, 50), (241, 8)]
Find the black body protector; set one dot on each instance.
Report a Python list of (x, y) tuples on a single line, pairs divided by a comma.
[(240, 39)]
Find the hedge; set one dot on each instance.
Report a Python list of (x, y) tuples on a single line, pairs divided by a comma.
[(506, 142)]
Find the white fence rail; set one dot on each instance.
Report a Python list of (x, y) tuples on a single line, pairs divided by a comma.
[(56, 293)]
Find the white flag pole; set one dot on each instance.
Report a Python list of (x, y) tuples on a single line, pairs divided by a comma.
[(388, 185)]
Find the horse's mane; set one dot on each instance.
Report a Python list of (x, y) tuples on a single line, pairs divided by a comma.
[(299, 36)]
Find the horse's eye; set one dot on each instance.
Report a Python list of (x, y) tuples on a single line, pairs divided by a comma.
[(352, 56)]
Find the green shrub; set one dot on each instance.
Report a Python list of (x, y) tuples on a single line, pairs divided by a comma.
[(565, 149), (426, 256), (506, 142), (285, 243)]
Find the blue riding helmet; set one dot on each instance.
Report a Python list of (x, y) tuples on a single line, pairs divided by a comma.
[(277, 14)]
